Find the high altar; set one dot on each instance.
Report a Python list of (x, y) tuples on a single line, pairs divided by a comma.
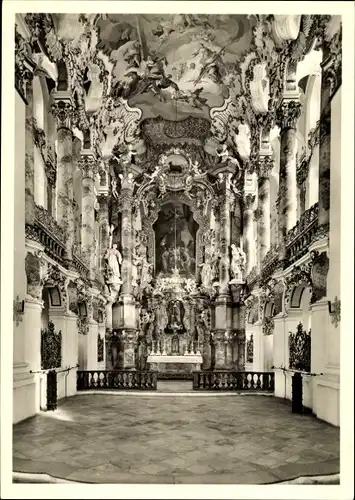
[(175, 267)]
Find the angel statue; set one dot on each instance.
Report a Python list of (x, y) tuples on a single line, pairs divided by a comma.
[(237, 262), (114, 188), (114, 260), (155, 174), (195, 168)]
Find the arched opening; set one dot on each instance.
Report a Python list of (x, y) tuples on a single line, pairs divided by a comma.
[(175, 240), (62, 75)]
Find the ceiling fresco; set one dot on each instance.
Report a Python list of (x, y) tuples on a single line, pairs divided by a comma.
[(174, 65), (209, 83)]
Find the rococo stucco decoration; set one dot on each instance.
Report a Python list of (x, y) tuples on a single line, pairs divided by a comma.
[(166, 123)]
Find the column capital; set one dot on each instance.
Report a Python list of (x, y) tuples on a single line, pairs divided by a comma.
[(249, 200), (288, 113), (24, 66), (127, 180), (88, 164), (63, 108)]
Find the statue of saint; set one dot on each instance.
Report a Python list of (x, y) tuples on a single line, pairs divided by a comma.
[(206, 275), (175, 313), (114, 260), (165, 259), (161, 317), (184, 257), (237, 262), (145, 276)]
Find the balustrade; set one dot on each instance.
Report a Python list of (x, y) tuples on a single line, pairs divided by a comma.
[(47, 231), (116, 380), (269, 263), (234, 381), (301, 235)]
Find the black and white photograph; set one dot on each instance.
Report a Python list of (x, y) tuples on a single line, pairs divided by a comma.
[(176, 247)]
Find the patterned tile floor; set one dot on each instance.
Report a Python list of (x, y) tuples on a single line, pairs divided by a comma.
[(169, 439)]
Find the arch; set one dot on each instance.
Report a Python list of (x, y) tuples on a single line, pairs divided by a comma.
[(269, 310), (55, 296), (296, 296)]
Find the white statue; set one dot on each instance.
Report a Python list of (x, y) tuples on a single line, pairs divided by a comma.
[(154, 174), (114, 260), (128, 156), (162, 160), (195, 168), (114, 188), (206, 275), (237, 262)]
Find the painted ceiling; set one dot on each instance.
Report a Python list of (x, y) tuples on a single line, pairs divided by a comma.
[(155, 81)]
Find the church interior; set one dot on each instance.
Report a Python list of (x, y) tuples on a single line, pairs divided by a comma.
[(177, 210)]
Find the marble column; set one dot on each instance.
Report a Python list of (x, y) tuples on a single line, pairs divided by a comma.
[(88, 167), (241, 350), (286, 118), (63, 110), (220, 344), (29, 157), (206, 352), (324, 148), (32, 319), (263, 220), (108, 309), (248, 232), (104, 228), (223, 314), (225, 236), (126, 200), (236, 223)]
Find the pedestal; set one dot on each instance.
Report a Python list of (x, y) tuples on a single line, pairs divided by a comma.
[(129, 339), (32, 319)]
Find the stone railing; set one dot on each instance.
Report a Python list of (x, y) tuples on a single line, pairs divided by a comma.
[(48, 232), (116, 380), (79, 265), (233, 381), (252, 276), (269, 263), (301, 235)]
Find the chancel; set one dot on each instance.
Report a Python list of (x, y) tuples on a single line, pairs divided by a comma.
[(177, 211)]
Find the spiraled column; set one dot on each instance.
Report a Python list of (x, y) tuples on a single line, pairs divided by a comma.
[(88, 167), (63, 110)]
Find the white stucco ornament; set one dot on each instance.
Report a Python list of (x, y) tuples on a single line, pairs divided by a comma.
[(287, 27), (259, 89)]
